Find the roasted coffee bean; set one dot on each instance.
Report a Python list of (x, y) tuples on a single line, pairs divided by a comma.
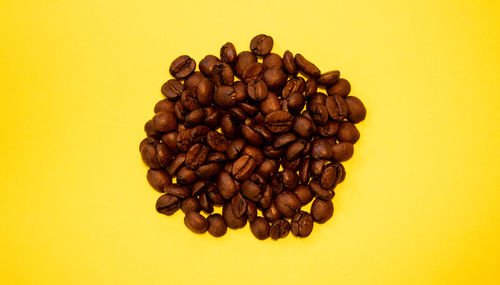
[(355, 109), (228, 53), (197, 134), (270, 104), (235, 148), (182, 67), (190, 204), (317, 167), (244, 60), (267, 198), (316, 189), (216, 225), (248, 108), (189, 100), (222, 74), (321, 149), (196, 222), (239, 205), (287, 203), (186, 176), (304, 193), (231, 220), (250, 190), (205, 92), (336, 107), (207, 64), (164, 122), (295, 103), (257, 89), (168, 204), (240, 90), (165, 105), (302, 224), (272, 60), (289, 63), (279, 122), (274, 77), (194, 118), (251, 211), (272, 214), (348, 132), (279, 229), (342, 151), (172, 89), (261, 44), (176, 164), (205, 205), (266, 135), (243, 167), (208, 171), (260, 228), (177, 191), (296, 84), (284, 140), (290, 179), (225, 185), (149, 157), (271, 152), (306, 66), (303, 126), (295, 150), (225, 97), (267, 168), (329, 130), (198, 187), (341, 88), (254, 152), (193, 80), (179, 111), (251, 136), (311, 88), (319, 113), (331, 175), (321, 210), (305, 171), (216, 157), (329, 78), (253, 71), (217, 141), (318, 98), (158, 179)]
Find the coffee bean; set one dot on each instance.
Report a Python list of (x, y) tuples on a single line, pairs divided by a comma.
[(222, 74), (341, 88), (225, 185), (272, 60), (251, 211), (302, 224), (243, 167), (244, 60), (266, 135), (279, 229), (189, 100), (186, 176), (261, 44), (337, 108), (225, 97), (321, 210), (342, 151), (164, 122), (296, 84), (295, 103), (194, 118), (257, 90), (168, 204), (267, 197), (196, 222), (205, 204), (208, 171), (329, 78), (164, 105), (251, 136), (158, 179), (321, 149), (260, 228), (274, 77), (239, 205), (329, 130), (355, 109), (177, 190), (287, 203), (270, 104), (193, 80), (253, 71), (348, 132), (182, 67), (228, 53), (311, 88), (306, 66), (254, 152), (216, 225), (289, 63), (217, 141), (290, 179), (295, 150), (250, 190), (172, 89), (205, 92), (305, 171), (190, 204), (319, 113), (331, 175), (304, 194), (272, 214), (248, 108), (316, 189), (279, 122), (231, 220), (207, 64)]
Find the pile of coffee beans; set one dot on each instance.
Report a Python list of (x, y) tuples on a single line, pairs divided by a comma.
[(251, 132)]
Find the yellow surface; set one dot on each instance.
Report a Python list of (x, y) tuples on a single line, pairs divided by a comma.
[(420, 204)]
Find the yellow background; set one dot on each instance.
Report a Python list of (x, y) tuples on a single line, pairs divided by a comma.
[(420, 204)]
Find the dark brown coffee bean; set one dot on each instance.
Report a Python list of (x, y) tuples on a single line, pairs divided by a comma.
[(302, 224), (170, 140), (216, 225), (164, 122), (149, 156), (290, 179), (276, 182), (319, 113), (270, 104), (342, 151), (341, 88), (261, 44), (168, 204), (225, 97), (295, 103), (284, 140), (205, 92), (305, 195), (274, 77), (216, 157), (251, 211), (329, 130), (190, 204), (228, 53), (336, 107), (231, 220), (186, 176), (296, 84), (272, 60), (176, 164), (217, 141), (267, 168), (249, 109), (245, 58), (321, 149), (257, 89), (240, 90), (207, 64), (272, 214), (302, 126), (165, 105), (172, 89), (239, 205), (183, 140), (229, 127), (274, 153), (317, 167), (316, 189), (189, 100), (348, 132), (356, 109), (177, 190), (193, 80), (251, 136), (253, 71), (331, 175), (225, 185), (306, 66), (195, 117), (158, 179), (295, 150), (279, 122), (196, 222), (305, 171), (266, 135), (318, 98), (208, 171), (279, 229), (243, 167), (267, 198), (311, 88), (250, 190), (198, 187), (254, 152), (260, 228), (179, 111), (182, 67), (205, 205), (197, 134), (287, 203), (329, 78), (289, 63), (222, 74), (237, 114), (235, 148), (322, 210)]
